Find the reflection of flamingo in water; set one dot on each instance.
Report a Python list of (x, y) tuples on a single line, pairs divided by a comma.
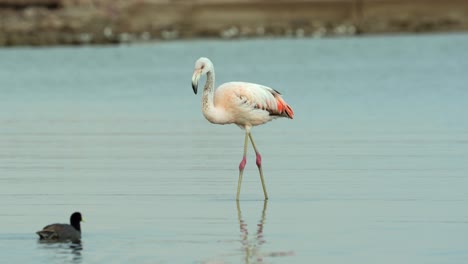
[(252, 247), (241, 103), (252, 250)]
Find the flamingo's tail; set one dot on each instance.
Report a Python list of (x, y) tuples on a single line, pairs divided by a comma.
[(283, 108)]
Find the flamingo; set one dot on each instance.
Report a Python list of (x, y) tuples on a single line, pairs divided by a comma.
[(241, 103)]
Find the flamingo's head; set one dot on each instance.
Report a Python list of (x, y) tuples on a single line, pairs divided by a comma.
[(202, 67)]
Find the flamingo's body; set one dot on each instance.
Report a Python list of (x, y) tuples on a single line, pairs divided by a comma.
[(241, 103)]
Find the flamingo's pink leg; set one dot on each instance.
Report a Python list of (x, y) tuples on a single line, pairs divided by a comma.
[(259, 165), (242, 165)]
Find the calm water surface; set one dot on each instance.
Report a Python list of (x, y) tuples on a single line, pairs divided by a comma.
[(372, 169)]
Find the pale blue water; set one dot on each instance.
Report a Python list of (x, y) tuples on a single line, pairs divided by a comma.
[(372, 169)]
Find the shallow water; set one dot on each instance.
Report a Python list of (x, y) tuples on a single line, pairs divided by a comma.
[(372, 168)]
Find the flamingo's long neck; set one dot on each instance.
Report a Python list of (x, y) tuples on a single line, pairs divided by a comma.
[(208, 107), (212, 113)]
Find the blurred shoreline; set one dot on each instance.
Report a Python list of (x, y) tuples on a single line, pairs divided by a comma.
[(79, 22)]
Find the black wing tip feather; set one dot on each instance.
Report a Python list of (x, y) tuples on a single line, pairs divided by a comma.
[(276, 91)]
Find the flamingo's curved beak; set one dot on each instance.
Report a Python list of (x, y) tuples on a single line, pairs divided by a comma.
[(195, 78)]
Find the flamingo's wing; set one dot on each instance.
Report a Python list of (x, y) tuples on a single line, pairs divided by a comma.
[(261, 97)]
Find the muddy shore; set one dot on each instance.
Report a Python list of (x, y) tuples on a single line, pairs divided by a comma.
[(77, 22)]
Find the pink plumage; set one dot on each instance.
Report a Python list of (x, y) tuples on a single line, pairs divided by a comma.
[(250, 101), (241, 103)]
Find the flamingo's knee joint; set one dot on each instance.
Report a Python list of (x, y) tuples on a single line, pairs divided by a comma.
[(259, 160), (242, 163)]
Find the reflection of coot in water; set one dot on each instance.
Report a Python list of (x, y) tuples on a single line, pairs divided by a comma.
[(63, 232), (63, 251)]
